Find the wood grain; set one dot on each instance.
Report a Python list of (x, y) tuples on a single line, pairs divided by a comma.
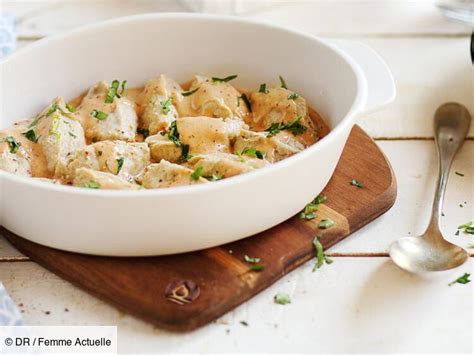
[(138, 285)]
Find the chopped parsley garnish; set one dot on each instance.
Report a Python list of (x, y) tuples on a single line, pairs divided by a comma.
[(467, 227), (188, 93), (326, 223), (52, 109), (257, 268), (71, 108), (247, 102), (143, 131), (321, 258), (214, 177), (123, 87), (72, 135), (309, 211), (166, 105), (185, 156), (53, 129), (458, 173), (464, 279), (252, 152), (31, 135), (113, 91), (357, 183), (282, 298), (283, 83), (119, 164), (252, 260), (173, 134), (92, 185), (223, 80), (13, 144), (197, 173), (294, 127), (100, 115), (293, 96), (263, 89)]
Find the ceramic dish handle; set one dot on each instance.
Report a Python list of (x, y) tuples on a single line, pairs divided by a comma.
[(380, 83)]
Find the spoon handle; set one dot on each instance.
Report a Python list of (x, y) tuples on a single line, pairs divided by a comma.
[(451, 127)]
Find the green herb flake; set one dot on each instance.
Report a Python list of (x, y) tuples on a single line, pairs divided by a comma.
[(13, 144), (308, 212), (458, 173), (31, 135), (282, 298), (283, 82), (293, 96), (52, 109), (119, 164), (100, 115), (224, 80), (144, 132), (214, 177), (53, 129), (247, 102), (173, 134), (188, 93), (357, 183), (166, 105), (263, 89), (467, 227), (457, 233), (92, 185), (252, 152), (71, 108), (464, 279), (197, 173), (326, 223), (185, 156), (244, 323), (252, 260), (113, 91), (321, 258), (72, 135), (122, 87), (257, 268), (294, 127)]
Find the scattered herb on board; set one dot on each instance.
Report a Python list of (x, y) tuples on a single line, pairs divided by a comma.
[(188, 93), (252, 260), (357, 183), (13, 144), (464, 279), (31, 135), (92, 185), (467, 227), (100, 115), (294, 127), (293, 96), (282, 298), (458, 173), (224, 80), (113, 91), (144, 132), (263, 88), (119, 164), (71, 108), (326, 223), (321, 258), (197, 173), (283, 82), (166, 105), (308, 212), (247, 102)]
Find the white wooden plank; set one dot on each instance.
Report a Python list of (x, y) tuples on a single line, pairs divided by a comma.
[(427, 73), (416, 183), (364, 305), (415, 165), (387, 17)]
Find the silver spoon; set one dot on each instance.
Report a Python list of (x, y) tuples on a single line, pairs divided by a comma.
[(430, 251)]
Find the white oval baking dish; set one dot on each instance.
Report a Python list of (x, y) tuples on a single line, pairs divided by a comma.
[(339, 80)]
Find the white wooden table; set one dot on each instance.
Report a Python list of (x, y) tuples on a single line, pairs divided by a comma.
[(362, 302)]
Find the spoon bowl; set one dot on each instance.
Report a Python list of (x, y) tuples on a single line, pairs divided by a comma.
[(430, 251)]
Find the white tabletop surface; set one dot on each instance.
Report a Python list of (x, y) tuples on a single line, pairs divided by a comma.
[(362, 302)]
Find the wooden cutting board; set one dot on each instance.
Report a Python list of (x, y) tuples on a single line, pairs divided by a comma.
[(185, 291)]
